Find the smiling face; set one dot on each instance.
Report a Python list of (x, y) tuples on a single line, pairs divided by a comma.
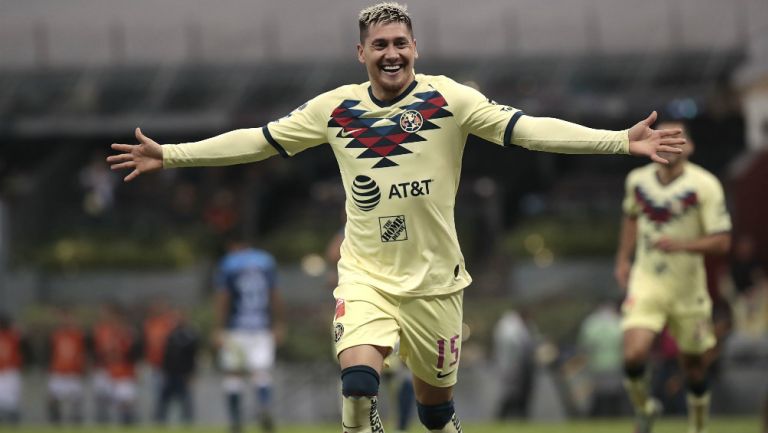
[(388, 51)]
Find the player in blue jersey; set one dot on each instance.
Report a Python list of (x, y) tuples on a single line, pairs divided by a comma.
[(399, 140), (248, 312)]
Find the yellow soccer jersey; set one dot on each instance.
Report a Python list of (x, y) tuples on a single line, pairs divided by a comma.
[(400, 163), (690, 207)]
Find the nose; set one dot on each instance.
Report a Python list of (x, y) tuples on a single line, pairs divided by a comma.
[(391, 53)]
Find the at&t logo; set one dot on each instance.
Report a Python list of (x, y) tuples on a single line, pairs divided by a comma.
[(365, 193)]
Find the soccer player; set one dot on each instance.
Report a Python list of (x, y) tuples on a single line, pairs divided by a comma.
[(249, 319), (398, 140), (67, 357), (673, 215)]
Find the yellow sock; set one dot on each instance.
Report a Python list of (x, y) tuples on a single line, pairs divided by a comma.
[(698, 413), (360, 415), (452, 426), (637, 389)]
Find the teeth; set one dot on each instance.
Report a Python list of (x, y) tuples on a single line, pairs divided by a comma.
[(391, 68)]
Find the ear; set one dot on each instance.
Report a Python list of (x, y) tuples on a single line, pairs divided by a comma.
[(415, 51), (360, 53)]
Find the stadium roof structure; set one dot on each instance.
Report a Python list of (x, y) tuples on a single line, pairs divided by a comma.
[(200, 98)]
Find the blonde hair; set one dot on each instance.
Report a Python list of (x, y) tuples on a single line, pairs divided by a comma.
[(383, 13)]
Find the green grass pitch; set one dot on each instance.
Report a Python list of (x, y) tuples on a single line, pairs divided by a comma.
[(668, 425)]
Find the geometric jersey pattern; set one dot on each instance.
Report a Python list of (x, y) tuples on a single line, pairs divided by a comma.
[(661, 214), (382, 138)]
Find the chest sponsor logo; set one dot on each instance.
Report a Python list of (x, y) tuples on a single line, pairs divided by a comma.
[(365, 193), (393, 228), (410, 189), (384, 138)]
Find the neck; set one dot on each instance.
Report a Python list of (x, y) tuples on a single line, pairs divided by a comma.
[(668, 173), (385, 95)]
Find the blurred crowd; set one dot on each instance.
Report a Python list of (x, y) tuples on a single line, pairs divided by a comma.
[(104, 358)]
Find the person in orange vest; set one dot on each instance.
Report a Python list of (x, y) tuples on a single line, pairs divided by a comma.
[(122, 353), (102, 334), (11, 359), (157, 326), (66, 366)]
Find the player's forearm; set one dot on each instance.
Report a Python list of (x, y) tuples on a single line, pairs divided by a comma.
[(627, 240), (554, 135), (719, 244), (234, 147)]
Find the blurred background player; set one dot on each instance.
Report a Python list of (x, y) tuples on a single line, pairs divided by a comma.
[(249, 324), (673, 215), (66, 366), (599, 343), (514, 348), (11, 360), (177, 368)]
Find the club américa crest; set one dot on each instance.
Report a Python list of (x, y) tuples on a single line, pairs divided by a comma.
[(411, 121), (338, 331)]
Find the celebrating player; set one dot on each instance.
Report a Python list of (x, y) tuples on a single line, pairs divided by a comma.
[(673, 215), (398, 140)]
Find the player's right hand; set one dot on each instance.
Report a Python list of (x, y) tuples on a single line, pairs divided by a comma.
[(621, 274), (144, 157)]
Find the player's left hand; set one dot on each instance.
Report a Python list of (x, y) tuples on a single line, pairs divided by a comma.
[(646, 141), (669, 245)]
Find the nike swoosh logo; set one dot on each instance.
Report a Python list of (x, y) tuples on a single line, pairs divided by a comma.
[(346, 134), (347, 426), (440, 374)]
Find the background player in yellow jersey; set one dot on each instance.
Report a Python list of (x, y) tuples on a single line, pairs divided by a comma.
[(673, 215), (398, 140)]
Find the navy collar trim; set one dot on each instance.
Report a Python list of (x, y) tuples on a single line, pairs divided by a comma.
[(397, 99)]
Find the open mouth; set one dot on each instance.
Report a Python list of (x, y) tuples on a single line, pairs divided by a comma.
[(391, 69)]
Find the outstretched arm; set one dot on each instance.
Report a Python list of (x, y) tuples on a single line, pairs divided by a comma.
[(235, 147), (559, 136)]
